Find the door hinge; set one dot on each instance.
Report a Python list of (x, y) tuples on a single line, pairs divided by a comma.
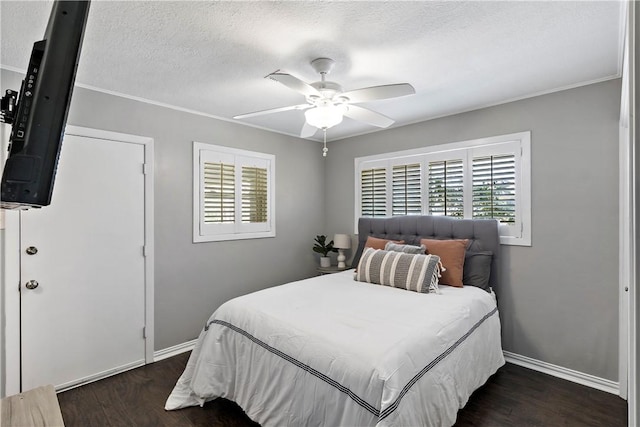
[(145, 168), (144, 332), (144, 251)]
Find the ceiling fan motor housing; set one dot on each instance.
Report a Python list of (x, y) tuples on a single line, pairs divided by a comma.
[(327, 89)]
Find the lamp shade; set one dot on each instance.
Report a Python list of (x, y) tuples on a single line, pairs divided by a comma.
[(324, 116), (342, 241)]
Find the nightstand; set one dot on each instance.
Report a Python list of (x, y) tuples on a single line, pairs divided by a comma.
[(329, 270)]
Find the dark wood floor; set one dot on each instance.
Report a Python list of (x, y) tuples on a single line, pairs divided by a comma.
[(514, 396)]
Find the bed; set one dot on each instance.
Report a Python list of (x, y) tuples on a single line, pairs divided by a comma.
[(334, 351)]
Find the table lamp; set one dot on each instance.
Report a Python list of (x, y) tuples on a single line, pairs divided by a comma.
[(341, 242)]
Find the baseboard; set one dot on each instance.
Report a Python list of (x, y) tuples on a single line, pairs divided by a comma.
[(174, 350), (564, 373), (99, 376)]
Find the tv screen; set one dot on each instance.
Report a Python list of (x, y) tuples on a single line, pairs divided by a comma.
[(38, 114)]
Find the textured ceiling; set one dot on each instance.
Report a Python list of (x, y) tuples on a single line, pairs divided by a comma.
[(211, 57)]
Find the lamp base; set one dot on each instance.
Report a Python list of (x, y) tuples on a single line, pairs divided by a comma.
[(341, 259)]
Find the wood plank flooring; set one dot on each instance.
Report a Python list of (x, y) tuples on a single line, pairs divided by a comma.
[(514, 396)]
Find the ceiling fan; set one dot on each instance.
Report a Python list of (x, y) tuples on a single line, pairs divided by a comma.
[(327, 103)]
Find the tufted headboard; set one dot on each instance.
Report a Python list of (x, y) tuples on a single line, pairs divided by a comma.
[(483, 234)]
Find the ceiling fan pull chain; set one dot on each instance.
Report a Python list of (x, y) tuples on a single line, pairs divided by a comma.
[(325, 149)]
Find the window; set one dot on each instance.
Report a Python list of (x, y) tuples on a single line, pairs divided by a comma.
[(373, 185), (233, 194), (254, 195), (219, 193), (483, 178), (446, 188), (494, 187), (405, 185)]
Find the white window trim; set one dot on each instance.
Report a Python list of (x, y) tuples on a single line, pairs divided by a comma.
[(238, 231), (444, 151)]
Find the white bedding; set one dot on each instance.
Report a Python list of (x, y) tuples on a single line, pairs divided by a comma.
[(330, 351)]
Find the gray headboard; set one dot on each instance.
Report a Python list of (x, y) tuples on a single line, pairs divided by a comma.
[(483, 234)]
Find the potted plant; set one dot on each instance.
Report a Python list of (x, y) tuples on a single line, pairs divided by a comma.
[(323, 248)]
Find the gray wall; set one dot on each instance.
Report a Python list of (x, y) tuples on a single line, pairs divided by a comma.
[(559, 297), (559, 300), (192, 280)]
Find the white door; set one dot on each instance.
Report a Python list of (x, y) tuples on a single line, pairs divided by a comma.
[(83, 315)]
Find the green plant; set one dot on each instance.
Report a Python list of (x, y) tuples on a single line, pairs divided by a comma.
[(322, 247)]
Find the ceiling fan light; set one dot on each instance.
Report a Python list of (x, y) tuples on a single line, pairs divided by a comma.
[(324, 117)]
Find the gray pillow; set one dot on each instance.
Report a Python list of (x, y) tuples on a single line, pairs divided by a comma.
[(477, 269), (407, 249)]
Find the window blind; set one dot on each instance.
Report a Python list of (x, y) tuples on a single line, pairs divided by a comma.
[(254, 194), (406, 190), (446, 188), (373, 185), (219, 193), (494, 187)]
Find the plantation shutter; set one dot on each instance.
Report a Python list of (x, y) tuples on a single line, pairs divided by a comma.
[(406, 190), (254, 194), (483, 178), (219, 193), (373, 186), (446, 188), (233, 193), (494, 187)]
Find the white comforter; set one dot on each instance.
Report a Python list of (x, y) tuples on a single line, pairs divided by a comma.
[(330, 351)]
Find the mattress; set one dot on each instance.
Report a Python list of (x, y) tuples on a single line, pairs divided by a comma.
[(332, 351)]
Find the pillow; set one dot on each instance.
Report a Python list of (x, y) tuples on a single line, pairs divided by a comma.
[(407, 249), (372, 242), (412, 272), (477, 269), (451, 252), (377, 243)]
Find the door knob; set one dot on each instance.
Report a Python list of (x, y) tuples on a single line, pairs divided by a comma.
[(31, 284), (31, 250)]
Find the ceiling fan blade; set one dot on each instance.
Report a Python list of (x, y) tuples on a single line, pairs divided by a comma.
[(293, 83), (365, 115), (308, 131), (374, 93), (273, 110)]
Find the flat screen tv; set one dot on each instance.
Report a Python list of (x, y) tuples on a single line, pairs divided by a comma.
[(38, 113)]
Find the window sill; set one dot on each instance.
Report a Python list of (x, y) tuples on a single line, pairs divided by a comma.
[(234, 236)]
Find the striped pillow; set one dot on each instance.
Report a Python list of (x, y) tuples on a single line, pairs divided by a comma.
[(417, 273), (407, 249)]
